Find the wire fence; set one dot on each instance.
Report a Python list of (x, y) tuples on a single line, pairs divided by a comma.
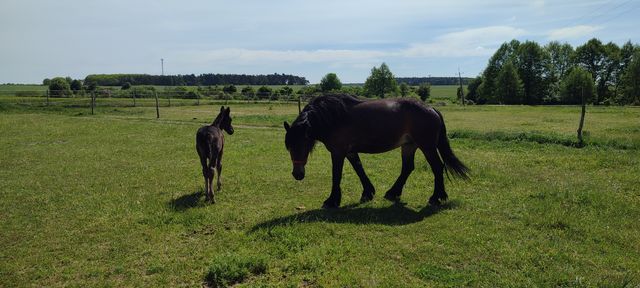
[(157, 99)]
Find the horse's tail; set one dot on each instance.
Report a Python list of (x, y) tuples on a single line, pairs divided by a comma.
[(451, 162)]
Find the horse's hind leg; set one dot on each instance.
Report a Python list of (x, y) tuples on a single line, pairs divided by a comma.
[(367, 188), (219, 172), (408, 152), (437, 167)]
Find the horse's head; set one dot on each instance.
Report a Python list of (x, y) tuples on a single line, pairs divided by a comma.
[(224, 119), (299, 142)]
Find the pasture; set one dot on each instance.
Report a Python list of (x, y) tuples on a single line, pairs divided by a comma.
[(115, 199)]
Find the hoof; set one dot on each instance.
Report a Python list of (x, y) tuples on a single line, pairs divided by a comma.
[(366, 197), (330, 205), (434, 201), (392, 197)]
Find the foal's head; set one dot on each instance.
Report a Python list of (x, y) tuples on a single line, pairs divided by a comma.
[(223, 121), (299, 142)]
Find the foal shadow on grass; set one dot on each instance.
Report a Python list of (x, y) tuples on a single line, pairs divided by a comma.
[(185, 202), (396, 214)]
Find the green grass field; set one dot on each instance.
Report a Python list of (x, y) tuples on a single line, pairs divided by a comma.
[(115, 199)]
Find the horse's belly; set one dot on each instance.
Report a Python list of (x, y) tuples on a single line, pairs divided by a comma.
[(381, 146)]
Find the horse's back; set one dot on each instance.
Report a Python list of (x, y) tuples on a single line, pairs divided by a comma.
[(209, 139)]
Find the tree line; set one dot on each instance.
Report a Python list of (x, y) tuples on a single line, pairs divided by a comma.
[(416, 81), (556, 73), (192, 80)]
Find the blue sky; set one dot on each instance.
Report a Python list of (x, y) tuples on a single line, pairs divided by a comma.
[(42, 39)]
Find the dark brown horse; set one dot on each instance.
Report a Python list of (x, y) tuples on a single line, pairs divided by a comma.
[(209, 144), (348, 126)]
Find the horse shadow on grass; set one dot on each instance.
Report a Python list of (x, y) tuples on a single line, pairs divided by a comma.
[(188, 201), (393, 215)]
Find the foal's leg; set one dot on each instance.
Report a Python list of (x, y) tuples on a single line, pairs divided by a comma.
[(408, 152), (219, 171), (368, 189), (437, 167), (337, 162), (205, 173)]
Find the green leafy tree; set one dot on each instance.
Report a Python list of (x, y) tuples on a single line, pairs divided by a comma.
[(560, 62), (46, 81), (472, 90), (229, 89), (76, 86), (487, 89), (404, 89), (532, 62), (424, 91), (381, 82), (631, 82), (577, 84), (264, 92), (59, 87), (126, 86), (592, 57), (286, 91), (509, 86), (247, 92), (330, 82)]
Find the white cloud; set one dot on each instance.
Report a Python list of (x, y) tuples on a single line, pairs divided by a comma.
[(245, 56), (572, 32), (465, 43), (470, 42)]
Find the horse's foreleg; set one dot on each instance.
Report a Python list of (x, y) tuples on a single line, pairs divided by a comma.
[(437, 167), (337, 162), (367, 188), (408, 152)]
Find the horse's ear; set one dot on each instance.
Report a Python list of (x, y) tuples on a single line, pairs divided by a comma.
[(221, 109), (227, 111), (286, 126)]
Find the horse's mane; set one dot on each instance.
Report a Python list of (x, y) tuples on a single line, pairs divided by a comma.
[(324, 112)]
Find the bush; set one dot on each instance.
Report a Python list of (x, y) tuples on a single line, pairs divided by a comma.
[(230, 269)]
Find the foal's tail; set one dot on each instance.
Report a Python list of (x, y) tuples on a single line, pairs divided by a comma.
[(451, 162)]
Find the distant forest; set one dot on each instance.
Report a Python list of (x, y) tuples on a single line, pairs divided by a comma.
[(416, 81), (193, 80)]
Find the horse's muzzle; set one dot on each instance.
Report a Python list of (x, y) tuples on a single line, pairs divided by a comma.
[(298, 172)]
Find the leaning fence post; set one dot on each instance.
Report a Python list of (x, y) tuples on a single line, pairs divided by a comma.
[(157, 107)]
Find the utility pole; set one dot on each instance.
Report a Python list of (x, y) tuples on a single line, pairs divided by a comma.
[(461, 89), (162, 65)]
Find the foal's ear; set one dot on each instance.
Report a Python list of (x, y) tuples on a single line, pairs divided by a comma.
[(286, 126)]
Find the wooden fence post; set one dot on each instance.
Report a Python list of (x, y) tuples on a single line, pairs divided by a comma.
[(157, 107), (133, 94), (47, 97), (93, 101), (580, 139)]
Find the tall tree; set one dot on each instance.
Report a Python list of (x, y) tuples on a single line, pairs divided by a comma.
[(509, 88), (532, 62), (631, 81), (487, 90), (381, 82), (472, 90), (424, 91), (330, 82), (591, 56), (578, 84), (560, 62), (404, 89)]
